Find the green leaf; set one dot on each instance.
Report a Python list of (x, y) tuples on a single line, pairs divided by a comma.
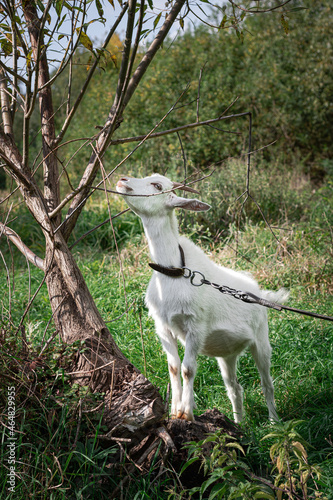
[(99, 8), (218, 489), (207, 484), (235, 445), (114, 60), (28, 58), (70, 7), (40, 5), (263, 494), (158, 17), (62, 20), (145, 33), (224, 20), (58, 7), (6, 47), (188, 463)]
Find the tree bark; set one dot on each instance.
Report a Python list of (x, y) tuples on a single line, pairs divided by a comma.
[(132, 403), (50, 161)]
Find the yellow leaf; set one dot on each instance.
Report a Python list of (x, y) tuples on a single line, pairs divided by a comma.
[(85, 40), (300, 447), (114, 60)]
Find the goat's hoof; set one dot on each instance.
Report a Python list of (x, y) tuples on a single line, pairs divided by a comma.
[(176, 415), (181, 415), (186, 416)]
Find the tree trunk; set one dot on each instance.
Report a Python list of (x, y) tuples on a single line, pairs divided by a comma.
[(132, 403)]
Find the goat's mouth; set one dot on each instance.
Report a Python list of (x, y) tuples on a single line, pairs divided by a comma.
[(123, 187)]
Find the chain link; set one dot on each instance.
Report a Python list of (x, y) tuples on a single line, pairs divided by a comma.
[(194, 276), (237, 294)]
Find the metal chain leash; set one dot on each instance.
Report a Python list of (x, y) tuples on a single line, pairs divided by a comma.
[(248, 297)]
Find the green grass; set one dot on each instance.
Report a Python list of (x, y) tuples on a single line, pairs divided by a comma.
[(302, 368), (57, 454)]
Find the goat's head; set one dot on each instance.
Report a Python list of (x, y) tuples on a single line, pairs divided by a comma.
[(154, 195)]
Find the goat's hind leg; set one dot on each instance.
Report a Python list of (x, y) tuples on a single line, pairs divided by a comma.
[(234, 389), (261, 353)]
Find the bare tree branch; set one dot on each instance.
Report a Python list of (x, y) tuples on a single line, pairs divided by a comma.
[(112, 122), (156, 44), (176, 129), (92, 189), (5, 106), (11, 12), (136, 44), (51, 172), (14, 238), (85, 86), (13, 160), (16, 75), (258, 11), (126, 57), (71, 47)]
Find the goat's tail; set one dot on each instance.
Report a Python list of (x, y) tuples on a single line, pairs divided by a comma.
[(278, 297)]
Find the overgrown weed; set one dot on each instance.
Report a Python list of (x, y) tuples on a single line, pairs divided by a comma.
[(57, 453), (232, 474)]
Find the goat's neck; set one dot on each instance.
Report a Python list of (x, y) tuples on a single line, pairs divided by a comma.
[(163, 239)]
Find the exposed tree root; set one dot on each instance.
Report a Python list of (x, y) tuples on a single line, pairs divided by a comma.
[(164, 446)]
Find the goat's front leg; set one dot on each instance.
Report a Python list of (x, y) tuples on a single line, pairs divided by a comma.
[(169, 343), (189, 368)]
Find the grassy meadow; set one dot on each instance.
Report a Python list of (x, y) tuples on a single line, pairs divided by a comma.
[(61, 458), (282, 235)]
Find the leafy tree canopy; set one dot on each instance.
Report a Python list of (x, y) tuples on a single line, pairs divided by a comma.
[(278, 67)]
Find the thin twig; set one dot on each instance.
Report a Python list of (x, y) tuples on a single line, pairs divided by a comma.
[(199, 87), (98, 226), (250, 11), (176, 129), (121, 315), (111, 386), (85, 372), (146, 137), (143, 347)]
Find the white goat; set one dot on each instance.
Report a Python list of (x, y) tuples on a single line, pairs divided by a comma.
[(204, 320)]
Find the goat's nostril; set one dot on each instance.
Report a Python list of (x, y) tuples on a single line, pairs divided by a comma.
[(123, 184)]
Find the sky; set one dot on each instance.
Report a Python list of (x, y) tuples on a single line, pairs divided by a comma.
[(96, 30)]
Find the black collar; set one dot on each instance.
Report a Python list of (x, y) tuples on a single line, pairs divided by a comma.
[(174, 272)]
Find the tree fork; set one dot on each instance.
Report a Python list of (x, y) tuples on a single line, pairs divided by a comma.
[(114, 120)]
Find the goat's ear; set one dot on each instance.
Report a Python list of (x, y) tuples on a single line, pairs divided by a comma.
[(188, 204)]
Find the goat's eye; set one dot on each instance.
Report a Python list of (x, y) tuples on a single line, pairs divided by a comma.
[(157, 186)]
